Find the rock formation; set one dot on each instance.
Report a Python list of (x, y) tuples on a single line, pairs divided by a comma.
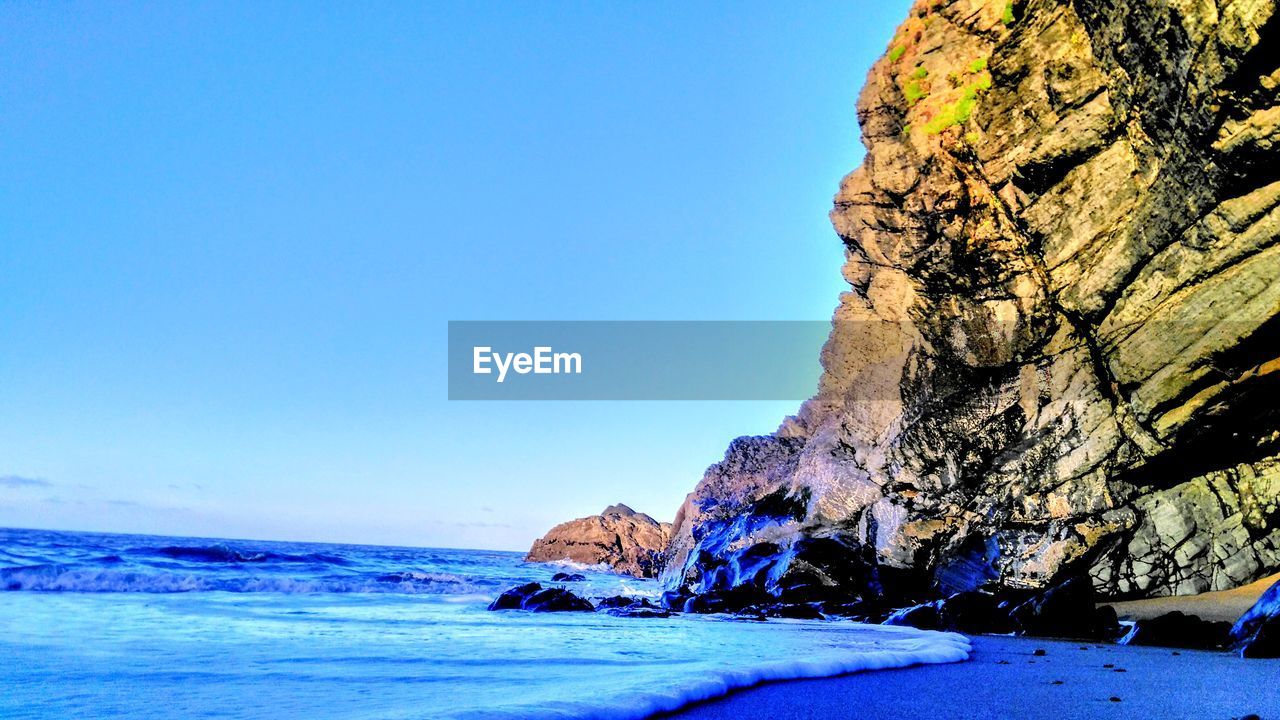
[(629, 542), (535, 598), (1257, 633), (1059, 354)]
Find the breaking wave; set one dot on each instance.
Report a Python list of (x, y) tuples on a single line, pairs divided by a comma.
[(46, 561), (58, 579), (220, 553)]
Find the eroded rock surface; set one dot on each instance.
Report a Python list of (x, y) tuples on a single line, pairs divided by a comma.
[(1257, 633), (631, 543), (1060, 352)]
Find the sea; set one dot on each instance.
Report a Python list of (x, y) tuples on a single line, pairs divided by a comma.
[(132, 626)]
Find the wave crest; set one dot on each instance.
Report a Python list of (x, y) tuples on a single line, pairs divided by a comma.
[(222, 553), (50, 578)]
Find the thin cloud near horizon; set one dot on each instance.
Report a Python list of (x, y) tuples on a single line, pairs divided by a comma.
[(21, 481)]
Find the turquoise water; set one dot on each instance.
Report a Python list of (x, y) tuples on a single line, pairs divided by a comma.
[(112, 626)]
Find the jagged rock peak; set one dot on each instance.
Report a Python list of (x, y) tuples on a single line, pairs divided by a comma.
[(1060, 348)]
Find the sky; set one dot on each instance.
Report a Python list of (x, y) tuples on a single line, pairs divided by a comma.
[(232, 236)]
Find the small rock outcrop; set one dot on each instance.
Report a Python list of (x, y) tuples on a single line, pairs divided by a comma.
[(1177, 629), (921, 617), (1060, 348), (535, 598), (641, 608), (1257, 633), (630, 542), (1067, 610)]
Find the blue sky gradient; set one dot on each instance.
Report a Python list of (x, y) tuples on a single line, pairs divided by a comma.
[(231, 236)]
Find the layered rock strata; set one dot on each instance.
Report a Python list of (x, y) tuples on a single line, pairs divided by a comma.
[(1060, 352)]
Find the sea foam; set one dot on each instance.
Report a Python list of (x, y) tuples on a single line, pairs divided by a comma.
[(914, 648)]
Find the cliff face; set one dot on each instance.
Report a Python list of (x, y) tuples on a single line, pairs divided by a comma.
[(1060, 350), (629, 542)]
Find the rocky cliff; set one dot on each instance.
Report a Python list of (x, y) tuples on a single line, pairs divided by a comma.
[(631, 543), (1059, 353)]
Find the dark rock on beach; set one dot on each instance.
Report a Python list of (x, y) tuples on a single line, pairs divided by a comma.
[(1067, 610), (794, 611), (723, 601), (974, 612), (969, 612), (1257, 633), (514, 598), (922, 617), (568, 577), (557, 600), (1177, 629), (860, 610), (639, 611), (629, 607), (624, 606), (534, 598)]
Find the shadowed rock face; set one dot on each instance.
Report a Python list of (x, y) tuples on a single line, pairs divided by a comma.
[(1060, 352), (630, 542), (1257, 633)]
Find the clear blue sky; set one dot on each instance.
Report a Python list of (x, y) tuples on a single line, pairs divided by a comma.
[(231, 236)]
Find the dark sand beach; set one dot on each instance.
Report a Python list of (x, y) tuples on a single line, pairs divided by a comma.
[(1005, 679)]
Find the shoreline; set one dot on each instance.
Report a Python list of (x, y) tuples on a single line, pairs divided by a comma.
[(1005, 679)]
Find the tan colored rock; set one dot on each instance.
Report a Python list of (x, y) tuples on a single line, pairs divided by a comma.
[(631, 543)]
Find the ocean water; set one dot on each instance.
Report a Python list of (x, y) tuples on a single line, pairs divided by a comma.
[(128, 626)]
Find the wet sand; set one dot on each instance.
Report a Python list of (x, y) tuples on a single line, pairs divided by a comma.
[(1005, 679)]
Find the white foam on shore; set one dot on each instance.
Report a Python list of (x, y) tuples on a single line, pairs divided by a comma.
[(874, 648)]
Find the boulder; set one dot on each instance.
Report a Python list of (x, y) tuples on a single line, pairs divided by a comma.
[(1177, 629), (974, 612), (793, 611), (557, 600), (922, 617), (629, 607), (1257, 633), (1066, 610), (617, 601), (723, 601), (568, 577), (859, 610), (514, 598), (639, 612), (629, 542), (535, 598)]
